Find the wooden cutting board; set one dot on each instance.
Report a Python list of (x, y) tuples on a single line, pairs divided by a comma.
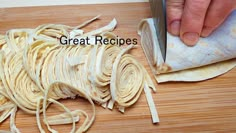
[(208, 106)]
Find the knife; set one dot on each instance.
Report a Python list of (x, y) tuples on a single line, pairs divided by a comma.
[(158, 8)]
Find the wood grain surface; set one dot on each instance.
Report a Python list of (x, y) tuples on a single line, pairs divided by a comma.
[(208, 106)]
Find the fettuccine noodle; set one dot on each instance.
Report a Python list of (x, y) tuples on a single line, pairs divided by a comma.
[(36, 71)]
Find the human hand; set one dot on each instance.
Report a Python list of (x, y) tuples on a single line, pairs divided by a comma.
[(191, 19)]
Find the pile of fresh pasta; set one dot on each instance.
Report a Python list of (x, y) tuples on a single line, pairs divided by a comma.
[(36, 71)]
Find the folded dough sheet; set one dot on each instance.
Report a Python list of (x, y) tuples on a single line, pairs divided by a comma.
[(196, 63)]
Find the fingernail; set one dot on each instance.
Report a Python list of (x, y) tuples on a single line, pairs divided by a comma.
[(190, 38), (206, 32), (175, 27)]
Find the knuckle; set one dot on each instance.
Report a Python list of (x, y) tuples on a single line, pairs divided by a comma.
[(209, 27), (198, 7), (200, 3), (225, 5), (174, 8), (175, 3)]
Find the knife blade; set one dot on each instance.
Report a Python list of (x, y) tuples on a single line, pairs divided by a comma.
[(158, 8)]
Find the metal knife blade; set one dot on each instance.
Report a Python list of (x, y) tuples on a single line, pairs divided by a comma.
[(158, 8)]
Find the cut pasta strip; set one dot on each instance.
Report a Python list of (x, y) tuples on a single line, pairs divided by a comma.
[(51, 32), (151, 104), (111, 104), (110, 27), (62, 118), (86, 22), (13, 127), (6, 110), (73, 61)]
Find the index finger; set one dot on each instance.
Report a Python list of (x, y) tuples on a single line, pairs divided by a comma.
[(193, 20)]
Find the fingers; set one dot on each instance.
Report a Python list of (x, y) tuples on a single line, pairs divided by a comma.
[(174, 14), (217, 13), (193, 20)]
